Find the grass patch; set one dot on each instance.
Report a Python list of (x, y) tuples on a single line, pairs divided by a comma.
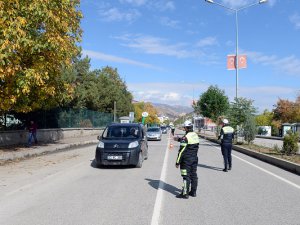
[(272, 151)]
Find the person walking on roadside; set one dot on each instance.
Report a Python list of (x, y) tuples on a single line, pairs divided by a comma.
[(32, 133), (187, 159), (226, 136)]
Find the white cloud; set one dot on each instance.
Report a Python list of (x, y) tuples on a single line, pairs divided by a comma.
[(163, 5), (166, 93), (295, 19), (155, 45), (165, 21), (266, 96), (208, 41), (112, 58), (289, 65), (114, 14), (134, 2)]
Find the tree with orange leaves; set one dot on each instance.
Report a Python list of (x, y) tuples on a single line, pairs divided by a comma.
[(37, 39)]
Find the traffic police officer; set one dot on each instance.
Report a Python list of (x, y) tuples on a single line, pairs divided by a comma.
[(187, 159), (226, 136)]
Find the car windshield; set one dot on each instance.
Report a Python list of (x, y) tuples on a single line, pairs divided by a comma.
[(153, 129), (121, 132)]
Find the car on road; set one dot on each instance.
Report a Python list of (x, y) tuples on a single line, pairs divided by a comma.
[(164, 129), (122, 144), (154, 133)]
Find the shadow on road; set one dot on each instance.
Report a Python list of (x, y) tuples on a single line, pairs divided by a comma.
[(94, 165), (164, 186), (210, 167)]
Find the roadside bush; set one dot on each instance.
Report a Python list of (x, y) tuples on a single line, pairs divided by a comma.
[(290, 143), (276, 149), (249, 129)]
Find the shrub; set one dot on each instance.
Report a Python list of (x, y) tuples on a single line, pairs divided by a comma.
[(249, 129), (276, 148), (290, 143)]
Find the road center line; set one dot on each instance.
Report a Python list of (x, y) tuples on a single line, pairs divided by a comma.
[(264, 170), (159, 195)]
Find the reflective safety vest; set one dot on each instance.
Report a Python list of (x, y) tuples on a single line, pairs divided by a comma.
[(227, 134), (189, 146)]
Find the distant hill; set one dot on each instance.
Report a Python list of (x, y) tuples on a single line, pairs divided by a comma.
[(172, 111)]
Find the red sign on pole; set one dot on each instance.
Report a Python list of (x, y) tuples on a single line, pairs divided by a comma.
[(231, 62)]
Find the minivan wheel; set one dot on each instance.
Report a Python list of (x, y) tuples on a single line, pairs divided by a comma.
[(140, 161)]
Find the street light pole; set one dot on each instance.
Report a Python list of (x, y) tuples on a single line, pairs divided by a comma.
[(237, 35), (236, 55)]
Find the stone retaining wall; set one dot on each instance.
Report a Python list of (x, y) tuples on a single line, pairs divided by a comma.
[(45, 135)]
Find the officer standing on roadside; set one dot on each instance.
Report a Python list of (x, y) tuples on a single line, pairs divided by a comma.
[(187, 159), (226, 136)]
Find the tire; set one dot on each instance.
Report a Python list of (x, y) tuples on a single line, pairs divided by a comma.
[(140, 161), (146, 157)]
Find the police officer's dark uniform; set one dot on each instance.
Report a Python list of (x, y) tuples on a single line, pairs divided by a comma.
[(187, 159), (226, 136)]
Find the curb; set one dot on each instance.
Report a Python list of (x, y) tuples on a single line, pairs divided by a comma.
[(281, 163), (52, 148)]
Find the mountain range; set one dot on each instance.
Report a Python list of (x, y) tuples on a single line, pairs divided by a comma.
[(172, 111)]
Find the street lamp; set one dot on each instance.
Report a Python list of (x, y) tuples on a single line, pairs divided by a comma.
[(237, 34)]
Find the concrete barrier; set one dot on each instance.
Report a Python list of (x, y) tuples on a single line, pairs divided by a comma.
[(45, 135)]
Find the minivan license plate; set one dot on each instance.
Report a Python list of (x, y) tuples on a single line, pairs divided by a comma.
[(114, 157)]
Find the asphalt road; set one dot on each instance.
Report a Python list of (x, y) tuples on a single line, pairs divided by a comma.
[(64, 188), (270, 143)]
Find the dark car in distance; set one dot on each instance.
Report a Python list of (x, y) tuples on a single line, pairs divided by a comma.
[(122, 144), (164, 129)]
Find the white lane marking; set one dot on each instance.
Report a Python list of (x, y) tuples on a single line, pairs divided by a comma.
[(264, 170), (159, 195)]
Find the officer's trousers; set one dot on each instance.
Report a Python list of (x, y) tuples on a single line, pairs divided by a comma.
[(226, 152), (188, 170)]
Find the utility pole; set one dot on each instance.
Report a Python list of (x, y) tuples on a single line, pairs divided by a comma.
[(115, 110)]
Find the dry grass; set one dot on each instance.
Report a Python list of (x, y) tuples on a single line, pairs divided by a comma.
[(273, 152)]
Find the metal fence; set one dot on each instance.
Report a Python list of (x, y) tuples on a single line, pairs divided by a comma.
[(57, 118)]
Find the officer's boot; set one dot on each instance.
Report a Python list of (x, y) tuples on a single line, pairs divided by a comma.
[(184, 192), (192, 193)]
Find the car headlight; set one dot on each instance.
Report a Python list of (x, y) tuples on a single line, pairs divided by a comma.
[(133, 144), (100, 144)]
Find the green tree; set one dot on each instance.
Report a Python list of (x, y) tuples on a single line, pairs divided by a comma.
[(249, 128), (240, 110), (113, 89), (212, 104), (98, 90), (264, 119), (37, 39)]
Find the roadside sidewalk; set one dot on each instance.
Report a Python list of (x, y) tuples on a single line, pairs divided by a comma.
[(11, 153)]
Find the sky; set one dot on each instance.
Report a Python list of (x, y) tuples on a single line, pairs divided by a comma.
[(172, 51)]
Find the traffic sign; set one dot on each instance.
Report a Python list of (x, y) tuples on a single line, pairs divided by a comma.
[(145, 114)]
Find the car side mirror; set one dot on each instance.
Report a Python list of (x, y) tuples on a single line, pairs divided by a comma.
[(99, 137)]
